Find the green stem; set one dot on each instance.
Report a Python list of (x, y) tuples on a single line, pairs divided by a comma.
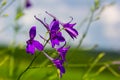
[(27, 67), (88, 26), (100, 56)]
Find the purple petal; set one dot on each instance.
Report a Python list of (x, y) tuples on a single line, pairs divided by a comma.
[(69, 25), (30, 48), (62, 51), (59, 64), (60, 37), (32, 32), (72, 32), (54, 42), (38, 45), (54, 25), (62, 71)]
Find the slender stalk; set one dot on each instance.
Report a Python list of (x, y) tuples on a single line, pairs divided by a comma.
[(46, 25), (27, 67), (88, 26), (98, 58)]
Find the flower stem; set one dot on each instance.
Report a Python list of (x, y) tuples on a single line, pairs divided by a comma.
[(86, 31), (27, 67)]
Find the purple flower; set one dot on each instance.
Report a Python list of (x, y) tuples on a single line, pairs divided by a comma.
[(70, 30), (62, 52), (59, 64), (67, 26), (55, 34), (54, 30), (31, 43), (28, 4)]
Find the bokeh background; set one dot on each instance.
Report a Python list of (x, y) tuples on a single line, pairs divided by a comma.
[(102, 39)]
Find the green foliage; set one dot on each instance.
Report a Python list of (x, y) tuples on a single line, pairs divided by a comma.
[(79, 63)]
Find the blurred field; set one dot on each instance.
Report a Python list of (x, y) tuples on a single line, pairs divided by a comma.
[(78, 65)]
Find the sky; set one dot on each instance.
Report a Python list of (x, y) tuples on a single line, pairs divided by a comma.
[(104, 32)]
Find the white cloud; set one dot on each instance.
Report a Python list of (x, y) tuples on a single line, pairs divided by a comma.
[(111, 21), (28, 19), (2, 25), (111, 14)]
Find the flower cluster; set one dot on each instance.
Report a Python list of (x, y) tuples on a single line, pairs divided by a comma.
[(55, 38)]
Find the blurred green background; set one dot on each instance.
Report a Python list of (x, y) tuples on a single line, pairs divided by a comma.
[(80, 65)]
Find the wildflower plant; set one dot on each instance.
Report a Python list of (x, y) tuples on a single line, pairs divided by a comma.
[(55, 39)]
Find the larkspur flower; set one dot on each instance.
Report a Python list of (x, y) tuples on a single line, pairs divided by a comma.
[(70, 30), (28, 4), (67, 26), (62, 52), (58, 63), (31, 43), (54, 30)]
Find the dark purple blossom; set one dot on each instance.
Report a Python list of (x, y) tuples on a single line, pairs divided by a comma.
[(54, 30), (62, 52), (59, 64), (67, 26), (55, 34), (28, 4), (31, 43), (70, 30)]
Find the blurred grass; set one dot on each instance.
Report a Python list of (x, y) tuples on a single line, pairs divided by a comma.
[(78, 63)]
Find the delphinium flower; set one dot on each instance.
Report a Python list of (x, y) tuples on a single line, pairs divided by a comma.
[(70, 30), (58, 63), (28, 4), (54, 31), (62, 52), (67, 26), (31, 43)]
